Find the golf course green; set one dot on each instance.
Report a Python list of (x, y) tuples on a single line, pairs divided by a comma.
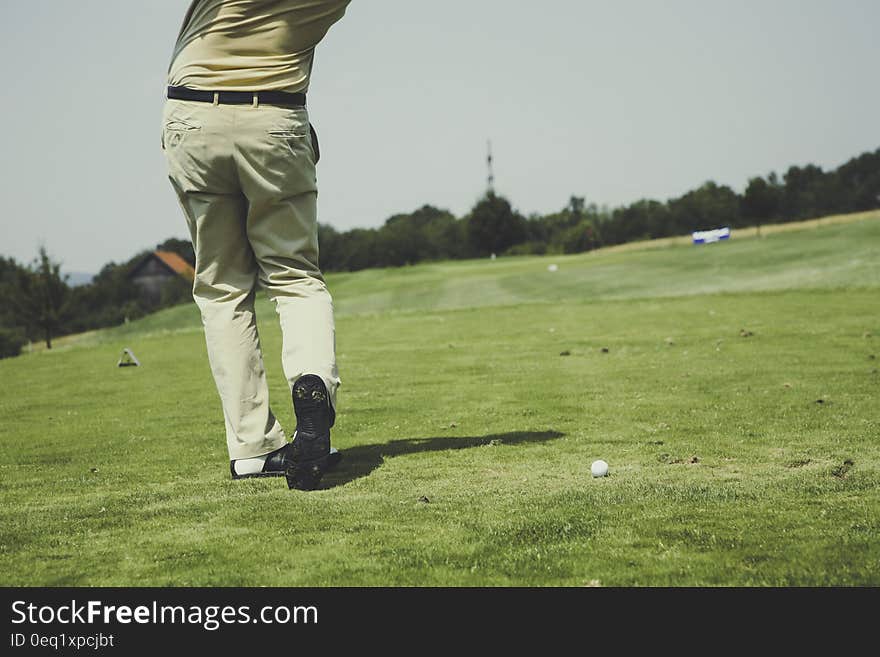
[(733, 389)]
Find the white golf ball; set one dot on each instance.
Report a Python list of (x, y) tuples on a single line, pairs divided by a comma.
[(599, 468)]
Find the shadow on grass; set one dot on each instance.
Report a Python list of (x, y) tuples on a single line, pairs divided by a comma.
[(360, 461)]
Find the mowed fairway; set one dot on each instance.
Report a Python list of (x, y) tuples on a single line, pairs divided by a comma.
[(733, 389)]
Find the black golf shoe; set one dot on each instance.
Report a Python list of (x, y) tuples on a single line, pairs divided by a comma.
[(277, 462), (310, 449), (274, 466)]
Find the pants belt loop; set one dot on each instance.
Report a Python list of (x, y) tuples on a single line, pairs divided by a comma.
[(256, 99), (216, 98)]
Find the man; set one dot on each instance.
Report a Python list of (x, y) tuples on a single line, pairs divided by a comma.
[(241, 157)]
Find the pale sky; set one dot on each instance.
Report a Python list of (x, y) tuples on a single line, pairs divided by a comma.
[(614, 101)]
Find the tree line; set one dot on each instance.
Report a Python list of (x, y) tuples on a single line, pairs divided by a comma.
[(39, 304), (493, 226)]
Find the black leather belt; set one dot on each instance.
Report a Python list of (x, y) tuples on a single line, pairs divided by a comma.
[(282, 98)]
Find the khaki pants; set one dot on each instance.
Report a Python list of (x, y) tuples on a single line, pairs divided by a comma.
[(245, 178)]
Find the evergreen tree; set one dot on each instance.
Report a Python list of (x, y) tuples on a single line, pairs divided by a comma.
[(41, 297)]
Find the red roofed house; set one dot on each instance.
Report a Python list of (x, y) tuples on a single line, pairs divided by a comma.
[(153, 272)]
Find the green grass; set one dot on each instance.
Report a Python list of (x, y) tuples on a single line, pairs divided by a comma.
[(696, 372)]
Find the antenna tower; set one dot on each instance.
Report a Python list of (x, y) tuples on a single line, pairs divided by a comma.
[(491, 178)]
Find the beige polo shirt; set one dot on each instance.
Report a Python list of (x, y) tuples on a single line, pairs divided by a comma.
[(251, 45)]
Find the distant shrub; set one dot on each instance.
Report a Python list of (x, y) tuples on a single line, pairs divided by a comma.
[(174, 291), (11, 342), (528, 248)]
